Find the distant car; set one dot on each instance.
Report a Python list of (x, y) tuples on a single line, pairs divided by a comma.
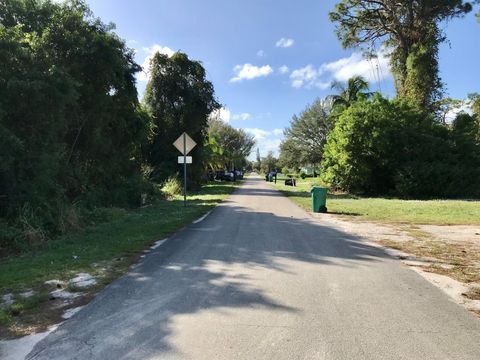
[(239, 174), (222, 175)]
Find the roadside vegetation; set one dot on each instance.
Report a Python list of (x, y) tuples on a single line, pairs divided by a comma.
[(390, 210), (88, 174), (105, 248), (73, 135)]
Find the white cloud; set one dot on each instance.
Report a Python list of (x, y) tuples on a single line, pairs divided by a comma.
[(150, 51), (284, 43), (283, 69), (222, 113), (257, 133), (249, 71), (241, 116), (373, 70), (266, 140), (226, 115), (308, 77), (261, 53)]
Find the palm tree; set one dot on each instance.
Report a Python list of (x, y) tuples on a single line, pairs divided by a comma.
[(349, 92)]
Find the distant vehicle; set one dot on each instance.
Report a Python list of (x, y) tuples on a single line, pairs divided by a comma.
[(222, 175), (239, 174)]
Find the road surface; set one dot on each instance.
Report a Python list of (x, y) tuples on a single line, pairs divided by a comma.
[(261, 279)]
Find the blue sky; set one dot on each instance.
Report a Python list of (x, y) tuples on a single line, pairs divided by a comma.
[(268, 59)]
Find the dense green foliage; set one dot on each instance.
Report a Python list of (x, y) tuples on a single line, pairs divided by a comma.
[(230, 147), (269, 163), (73, 136), (355, 88), (71, 130), (306, 136), (179, 99), (410, 30), (380, 146)]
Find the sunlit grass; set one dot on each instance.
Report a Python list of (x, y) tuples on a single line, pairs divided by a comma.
[(441, 212)]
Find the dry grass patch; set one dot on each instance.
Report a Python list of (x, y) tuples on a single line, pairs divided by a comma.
[(458, 260), (473, 294)]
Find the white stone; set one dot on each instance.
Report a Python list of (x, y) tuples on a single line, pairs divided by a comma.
[(63, 294), (54, 282), (27, 294), (83, 280)]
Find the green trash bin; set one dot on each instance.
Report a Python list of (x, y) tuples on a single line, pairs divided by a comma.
[(319, 199)]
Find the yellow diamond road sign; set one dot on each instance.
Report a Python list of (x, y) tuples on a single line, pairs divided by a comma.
[(184, 142)]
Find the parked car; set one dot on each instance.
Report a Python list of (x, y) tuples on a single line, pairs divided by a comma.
[(222, 175), (239, 174)]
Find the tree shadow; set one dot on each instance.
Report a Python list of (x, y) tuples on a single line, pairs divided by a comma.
[(207, 267)]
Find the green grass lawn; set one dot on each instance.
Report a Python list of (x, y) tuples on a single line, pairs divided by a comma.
[(118, 242), (440, 212)]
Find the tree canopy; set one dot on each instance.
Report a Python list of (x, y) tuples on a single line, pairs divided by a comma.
[(235, 144), (409, 30), (306, 136), (71, 129), (179, 98), (355, 87), (380, 146)]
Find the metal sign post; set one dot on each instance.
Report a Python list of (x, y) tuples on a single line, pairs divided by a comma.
[(184, 169), (184, 144)]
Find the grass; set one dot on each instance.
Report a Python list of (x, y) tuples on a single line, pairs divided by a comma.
[(438, 212), (112, 245)]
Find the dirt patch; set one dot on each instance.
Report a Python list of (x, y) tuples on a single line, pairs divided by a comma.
[(43, 315)]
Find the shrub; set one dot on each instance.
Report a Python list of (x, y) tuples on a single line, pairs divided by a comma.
[(172, 187), (382, 147)]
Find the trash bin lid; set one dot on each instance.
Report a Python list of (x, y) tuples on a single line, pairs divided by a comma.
[(318, 188)]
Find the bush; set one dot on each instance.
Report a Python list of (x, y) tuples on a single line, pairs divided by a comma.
[(172, 187), (382, 147), (70, 104)]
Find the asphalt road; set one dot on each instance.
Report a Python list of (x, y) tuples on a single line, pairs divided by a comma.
[(260, 279)]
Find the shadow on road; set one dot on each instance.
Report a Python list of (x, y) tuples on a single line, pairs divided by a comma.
[(206, 267)]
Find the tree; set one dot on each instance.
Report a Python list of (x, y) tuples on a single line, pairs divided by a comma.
[(306, 137), (356, 87), (179, 98), (235, 144), (68, 101), (382, 147), (446, 106), (410, 30), (258, 164), (269, 163)]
